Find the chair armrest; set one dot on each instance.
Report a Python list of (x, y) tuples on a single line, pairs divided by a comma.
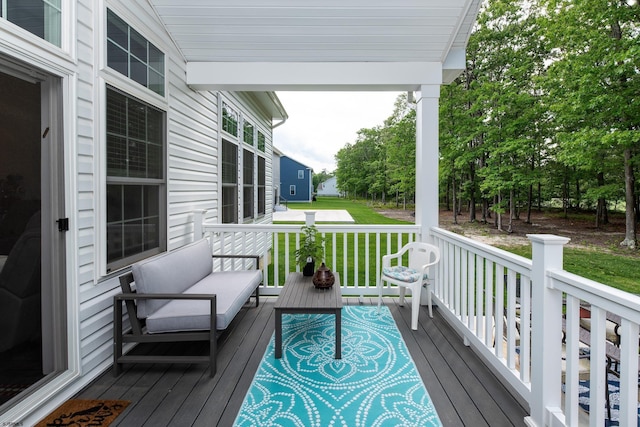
[(386, 259), (429, 264), (256, 258), (136, 296)]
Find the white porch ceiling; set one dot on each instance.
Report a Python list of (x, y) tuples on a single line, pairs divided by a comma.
[(308, 44)]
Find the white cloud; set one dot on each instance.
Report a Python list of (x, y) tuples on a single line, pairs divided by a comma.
[(321, 123)]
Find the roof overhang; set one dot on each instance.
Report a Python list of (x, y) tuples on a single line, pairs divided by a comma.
[(268, 101), (310, 76), (267, 45)]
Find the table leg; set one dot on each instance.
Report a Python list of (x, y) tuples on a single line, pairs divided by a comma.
[(339, 334), (278, 344)]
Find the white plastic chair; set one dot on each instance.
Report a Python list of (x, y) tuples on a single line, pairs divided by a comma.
[(413, 276)]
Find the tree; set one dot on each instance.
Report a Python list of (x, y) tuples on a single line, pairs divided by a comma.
[(592, 80)]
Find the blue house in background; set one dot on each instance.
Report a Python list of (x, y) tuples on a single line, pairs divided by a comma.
[(296, 180)]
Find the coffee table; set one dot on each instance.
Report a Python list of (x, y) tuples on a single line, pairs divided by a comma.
[(300, 296)]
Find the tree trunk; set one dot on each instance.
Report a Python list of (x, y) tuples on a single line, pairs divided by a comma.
[(512, 207), (539, 197), (565, 198), (529, 203), (630, 218), (472, 194), (455, 201), (446, 196), (601, 212), (485, 211), (498, 214)]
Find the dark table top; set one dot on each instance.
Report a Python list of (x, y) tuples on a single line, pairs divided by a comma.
[(299, 292)]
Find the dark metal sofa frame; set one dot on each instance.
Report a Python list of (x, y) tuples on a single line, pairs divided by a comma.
[(138, 333)]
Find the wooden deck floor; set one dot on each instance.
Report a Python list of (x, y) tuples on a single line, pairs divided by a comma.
[(463, 390)]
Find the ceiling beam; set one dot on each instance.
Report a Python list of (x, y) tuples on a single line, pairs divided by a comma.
[(313, 76)]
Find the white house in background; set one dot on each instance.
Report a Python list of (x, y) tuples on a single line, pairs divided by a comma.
[(106, 152), (329, 187)]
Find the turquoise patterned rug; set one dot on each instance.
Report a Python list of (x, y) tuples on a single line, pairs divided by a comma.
[(374, 384)]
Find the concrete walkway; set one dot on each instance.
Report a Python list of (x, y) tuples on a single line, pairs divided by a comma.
[(322, 215)]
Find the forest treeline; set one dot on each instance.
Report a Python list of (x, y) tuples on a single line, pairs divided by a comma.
[(547, 112)]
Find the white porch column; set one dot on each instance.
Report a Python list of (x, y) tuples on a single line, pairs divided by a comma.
[(546, 315), (427, 141)]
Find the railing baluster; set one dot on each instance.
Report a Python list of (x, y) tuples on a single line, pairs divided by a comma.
[(356, 260), (491, 337), (345, 248), (628, 373), (598, 377), (367, 264), (499, 314), (464, 294), (472, 291), (479, 295), (525, 328)]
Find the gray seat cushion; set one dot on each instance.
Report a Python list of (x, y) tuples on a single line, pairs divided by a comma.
[(233, 289), (171, 273)]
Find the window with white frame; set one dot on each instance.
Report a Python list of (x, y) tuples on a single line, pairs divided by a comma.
[(301, 174), (135, 146), (132, 55), (247, 185), (292, 190), (229, 182), (230, 119), (40, 17), (262, 188), (248, 133), (261, 141), (243, 167)]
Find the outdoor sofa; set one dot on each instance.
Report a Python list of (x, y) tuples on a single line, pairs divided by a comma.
[(171, 297)]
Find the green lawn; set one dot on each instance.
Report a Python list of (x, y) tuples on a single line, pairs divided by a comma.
[(361, 213), (614, 270)]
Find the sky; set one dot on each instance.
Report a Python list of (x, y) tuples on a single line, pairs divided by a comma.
[(321, 123)]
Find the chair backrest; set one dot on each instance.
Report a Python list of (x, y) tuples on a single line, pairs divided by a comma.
[(421, 253)]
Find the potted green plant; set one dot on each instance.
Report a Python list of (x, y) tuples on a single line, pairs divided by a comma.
[(311, 249)]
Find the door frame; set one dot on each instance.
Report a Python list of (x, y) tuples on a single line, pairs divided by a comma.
[(57, 92), (52, 190)]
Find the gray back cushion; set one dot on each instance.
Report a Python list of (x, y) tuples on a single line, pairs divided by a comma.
[(172, 273)]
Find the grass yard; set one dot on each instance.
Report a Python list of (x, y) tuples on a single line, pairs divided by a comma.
[(618, 271), (614, 270), (358, 209)]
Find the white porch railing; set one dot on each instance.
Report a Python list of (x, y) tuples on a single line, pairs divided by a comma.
[(354, 251), (480, 290)]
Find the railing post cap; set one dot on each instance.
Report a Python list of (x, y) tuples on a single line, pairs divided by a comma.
[(548, 239), (310, 217)]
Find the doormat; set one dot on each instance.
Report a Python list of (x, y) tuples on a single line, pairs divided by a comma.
[(82, 413)]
